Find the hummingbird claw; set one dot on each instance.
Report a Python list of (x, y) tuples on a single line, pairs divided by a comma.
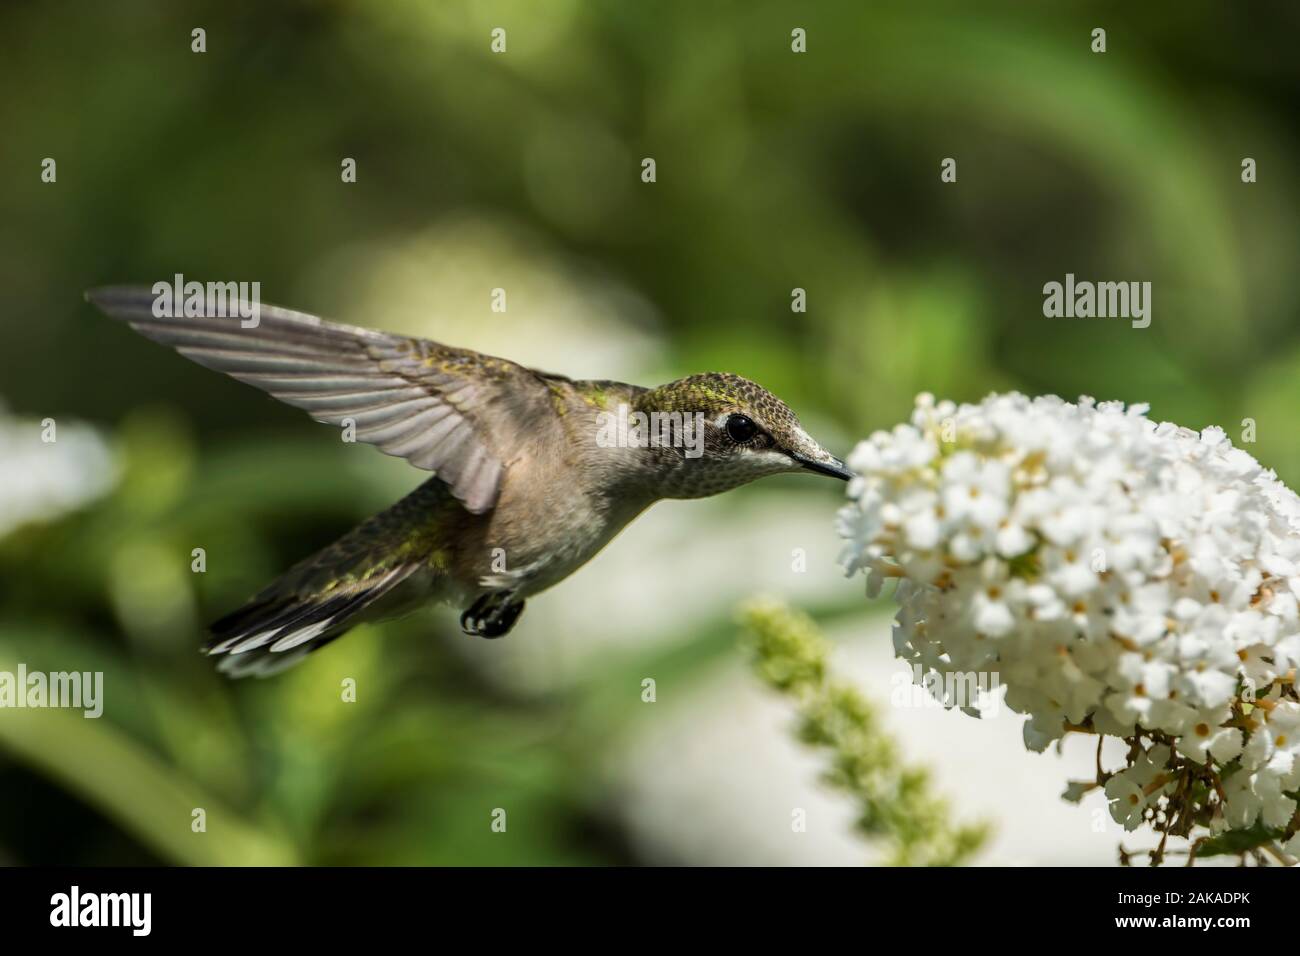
[(492, 615)]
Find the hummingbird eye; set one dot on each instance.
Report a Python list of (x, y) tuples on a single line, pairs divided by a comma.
[(741, 428)]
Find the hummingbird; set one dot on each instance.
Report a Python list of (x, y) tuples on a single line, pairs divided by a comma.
[(527, 484)]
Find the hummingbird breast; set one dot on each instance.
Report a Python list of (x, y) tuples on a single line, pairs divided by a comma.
[(549, 520)]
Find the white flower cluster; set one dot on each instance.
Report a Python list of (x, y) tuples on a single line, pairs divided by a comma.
[(40, 481), (1119, 576)]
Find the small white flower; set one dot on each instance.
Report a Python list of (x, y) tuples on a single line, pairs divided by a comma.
[(975, 490), (1151, 765), (1207, 738), (1243, 805), (1012, 539), (1127, 801), (1275, 743), (1275, 808)]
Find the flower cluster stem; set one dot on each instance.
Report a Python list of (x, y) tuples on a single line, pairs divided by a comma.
[(895, 801)]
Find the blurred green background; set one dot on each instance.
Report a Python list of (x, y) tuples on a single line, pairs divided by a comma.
[(522, 171)]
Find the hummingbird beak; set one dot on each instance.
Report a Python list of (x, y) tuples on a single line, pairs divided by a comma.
[(825, 464)]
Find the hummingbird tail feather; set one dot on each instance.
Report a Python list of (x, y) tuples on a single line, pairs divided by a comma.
[(266, 636), (269, 633), (324, 596)]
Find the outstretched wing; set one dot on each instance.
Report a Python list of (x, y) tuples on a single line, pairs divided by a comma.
[(451, 411)]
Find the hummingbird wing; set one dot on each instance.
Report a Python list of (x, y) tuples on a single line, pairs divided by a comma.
[(454, 412)]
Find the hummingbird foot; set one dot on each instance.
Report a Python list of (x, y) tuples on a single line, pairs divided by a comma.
[(492, 615)]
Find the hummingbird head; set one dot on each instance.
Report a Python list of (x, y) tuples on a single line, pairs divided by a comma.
[(729, 431)]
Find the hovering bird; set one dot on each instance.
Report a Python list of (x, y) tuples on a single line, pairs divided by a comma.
[(526, 487)]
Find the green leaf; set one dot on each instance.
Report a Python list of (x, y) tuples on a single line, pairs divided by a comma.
[(111, 772), (1235, 842)]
